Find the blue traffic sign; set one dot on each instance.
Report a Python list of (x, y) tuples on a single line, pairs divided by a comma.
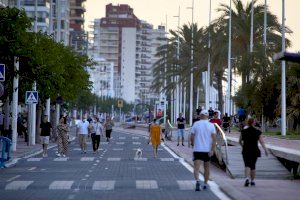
[(32, 97), (2, 72)]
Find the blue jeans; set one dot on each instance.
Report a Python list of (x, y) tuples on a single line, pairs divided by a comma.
[(180, 133)]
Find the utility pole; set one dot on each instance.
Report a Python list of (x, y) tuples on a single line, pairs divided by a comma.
[(283, 86), (229, 66), (192, 66)]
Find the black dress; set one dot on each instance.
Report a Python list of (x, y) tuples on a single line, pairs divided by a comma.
[(250, 152)]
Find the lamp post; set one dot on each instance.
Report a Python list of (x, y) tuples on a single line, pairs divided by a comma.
[(207, 90), (283, 86), (177, 77), (229, 65), (192, 66)]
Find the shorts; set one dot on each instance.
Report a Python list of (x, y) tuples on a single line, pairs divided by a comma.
[(204, 156), (45, 139), (250, 161), (180, 133)]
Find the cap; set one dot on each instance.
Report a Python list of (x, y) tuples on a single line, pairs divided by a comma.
[(204, 112)]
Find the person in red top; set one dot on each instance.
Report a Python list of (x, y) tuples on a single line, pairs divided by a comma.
[(215, 119)]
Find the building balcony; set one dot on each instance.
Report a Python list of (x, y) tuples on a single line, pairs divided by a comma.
[(74, 6)]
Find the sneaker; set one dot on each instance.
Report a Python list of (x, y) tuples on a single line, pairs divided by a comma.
[(64, 155), (197, 186), (182, 144), (177, 144), (204, 187), (247, 183), (84, 152), (58, 155), (252, 183)]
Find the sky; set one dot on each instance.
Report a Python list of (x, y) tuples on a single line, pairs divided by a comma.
[(162, 12)]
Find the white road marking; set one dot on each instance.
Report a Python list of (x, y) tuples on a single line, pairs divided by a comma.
[(13, 178), (120, 142), (113, 159), (118, 149), (146, 184), (61, 185), (103, 185), (186, 185), (60, 159), (95, 164), (122, 138), (136, 143), (32, 168), (34, 159), (140, 159), (167, 159), (87, 159), (87, 175), (77, 149), (18, 185), (135, 138), (103, 143)]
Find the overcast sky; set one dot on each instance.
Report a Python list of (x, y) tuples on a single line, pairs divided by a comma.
[(155, 12)]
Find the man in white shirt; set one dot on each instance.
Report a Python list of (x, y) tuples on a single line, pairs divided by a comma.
[(82, 131), (203, 140)]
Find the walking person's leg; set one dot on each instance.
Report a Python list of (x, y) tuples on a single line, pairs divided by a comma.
[(65, 145), (178, 136), (60, 144), (84, 143), (81, 142), (97, 142), (253, 171), (94, 142), (196, 173), (247, 162), (182, 136), (206, 174)]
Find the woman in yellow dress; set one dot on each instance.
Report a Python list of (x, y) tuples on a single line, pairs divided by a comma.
[(155, 136)]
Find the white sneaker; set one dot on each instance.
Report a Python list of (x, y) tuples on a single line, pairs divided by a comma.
[(64, 155), (59, 155)]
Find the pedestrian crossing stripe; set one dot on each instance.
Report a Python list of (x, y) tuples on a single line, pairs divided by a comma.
[(98, 185)]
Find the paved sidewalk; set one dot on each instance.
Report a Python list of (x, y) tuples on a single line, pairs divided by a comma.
[(265, 189)]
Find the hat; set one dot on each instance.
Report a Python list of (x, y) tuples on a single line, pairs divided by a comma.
[(204, 112)]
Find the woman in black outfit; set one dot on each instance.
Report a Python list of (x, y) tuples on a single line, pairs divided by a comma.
[(249, 141)]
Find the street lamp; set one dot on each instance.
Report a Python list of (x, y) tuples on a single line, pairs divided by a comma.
[(192, 65), (229, 65), (283, 86), (177, 77)]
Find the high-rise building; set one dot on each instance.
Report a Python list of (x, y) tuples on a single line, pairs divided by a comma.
[(120, 37), (61, 20), (78, 37)]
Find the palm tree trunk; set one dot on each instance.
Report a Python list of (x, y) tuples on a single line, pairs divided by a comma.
[(220, 91)]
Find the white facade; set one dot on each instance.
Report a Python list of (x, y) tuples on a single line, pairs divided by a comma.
[(102, 77), (61, 17), (128, 64)]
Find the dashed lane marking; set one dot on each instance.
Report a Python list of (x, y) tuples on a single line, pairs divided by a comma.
[(87, 159), (61, 185), (186, 185), (60, 159), (146, 184), (103, 185), (18, 185), (113, 159), (34, 159), (13, 178)]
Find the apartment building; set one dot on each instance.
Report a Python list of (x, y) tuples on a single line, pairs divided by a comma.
[(78, 37), (120, 37)]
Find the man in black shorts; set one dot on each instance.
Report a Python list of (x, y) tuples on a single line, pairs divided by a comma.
[(203, 140)]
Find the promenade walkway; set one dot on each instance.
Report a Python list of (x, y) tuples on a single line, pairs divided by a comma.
[(266, 189)]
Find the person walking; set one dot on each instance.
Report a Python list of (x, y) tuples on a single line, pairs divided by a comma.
[(82, 132), (46, 129), (216, 119), (155, 136), (108, 128), (180, 131), (62, 137), (249, 141), (203, 140), (96, 135)]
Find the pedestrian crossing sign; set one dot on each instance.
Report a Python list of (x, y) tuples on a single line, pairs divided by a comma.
[(120, 103), (2, 72), (31, 97)]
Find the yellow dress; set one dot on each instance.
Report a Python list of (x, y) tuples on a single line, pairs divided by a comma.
[(155, 134)]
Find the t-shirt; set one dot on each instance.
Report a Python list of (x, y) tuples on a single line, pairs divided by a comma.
[(180, 126), (45, 128), (217, 121), (203, 130), (250, 137), (83, 127)]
